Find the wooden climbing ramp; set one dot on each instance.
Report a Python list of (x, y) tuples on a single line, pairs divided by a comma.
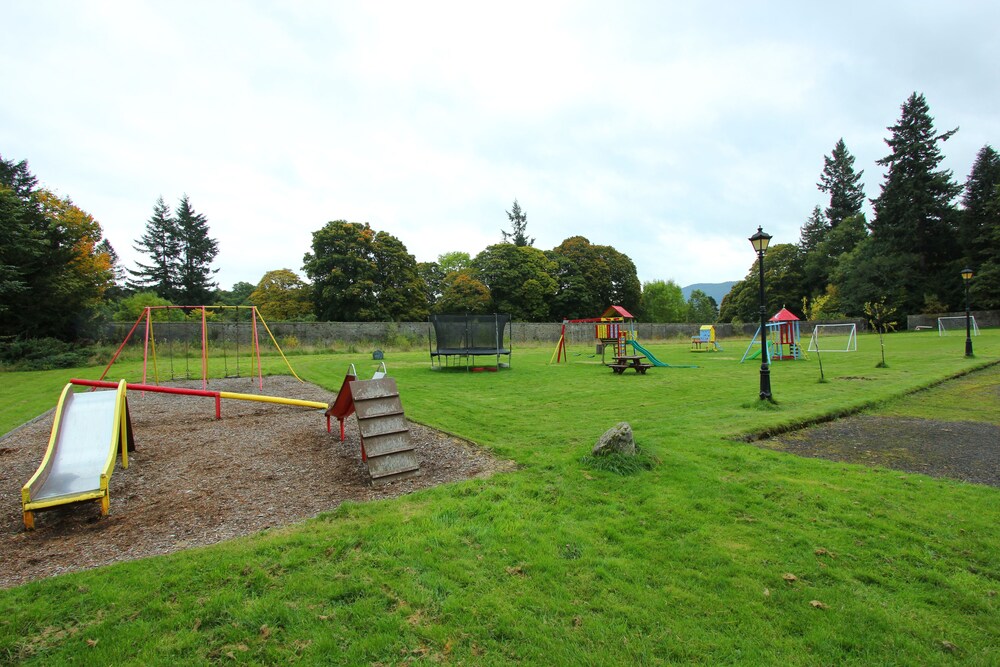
[(385, 435)]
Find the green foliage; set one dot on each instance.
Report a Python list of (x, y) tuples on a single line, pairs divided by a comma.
[(782, 286), (197, 252), (360, 275), (663, 301), (590, 278), (53, 271), (41, 354), (463, 293), (979, 228), (282, 296), (519, 222), (238, 296), (701, 308), (915, 216), (839, 180), (882, 319), (131, 307), (519, 279), (180, 253)]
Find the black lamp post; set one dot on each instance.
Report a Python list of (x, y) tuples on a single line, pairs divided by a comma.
[(966, 277), (759, 242)]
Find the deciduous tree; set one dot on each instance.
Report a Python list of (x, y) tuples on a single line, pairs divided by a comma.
[(519, 279), (701, 308), (282, 295), (662, 301), (360, 275)]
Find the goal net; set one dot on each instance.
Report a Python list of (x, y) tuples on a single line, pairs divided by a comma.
[(956, 323), (834, 338)]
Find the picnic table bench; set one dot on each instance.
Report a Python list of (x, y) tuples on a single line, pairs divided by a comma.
[(634, 362)]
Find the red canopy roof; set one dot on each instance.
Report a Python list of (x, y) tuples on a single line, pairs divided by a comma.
[(617, 311), (784, 315)]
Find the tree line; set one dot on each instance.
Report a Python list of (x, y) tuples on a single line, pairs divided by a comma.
[(925, 229), (59, 275)]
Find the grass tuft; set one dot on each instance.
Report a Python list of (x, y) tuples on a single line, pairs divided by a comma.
[(620, 464)]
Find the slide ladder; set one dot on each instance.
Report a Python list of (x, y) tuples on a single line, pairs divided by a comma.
[(88, 430), (385, 434)]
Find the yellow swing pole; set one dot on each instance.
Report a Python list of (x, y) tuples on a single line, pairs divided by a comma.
[(278, 347)]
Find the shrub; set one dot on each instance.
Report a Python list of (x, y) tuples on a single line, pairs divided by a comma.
[(41, 354)]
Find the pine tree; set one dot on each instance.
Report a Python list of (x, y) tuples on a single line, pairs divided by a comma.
[(978, 225), (915, 216), (519, 222), (197, 251), (813, 231), (843, 185), (979, 228), (161, 243)]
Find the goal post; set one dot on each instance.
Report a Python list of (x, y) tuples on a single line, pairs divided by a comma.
[(956, 323), (834, 338)]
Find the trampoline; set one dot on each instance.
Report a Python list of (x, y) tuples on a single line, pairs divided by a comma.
[(459, 338)]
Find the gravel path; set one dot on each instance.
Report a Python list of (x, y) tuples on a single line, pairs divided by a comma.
[(967, 451)]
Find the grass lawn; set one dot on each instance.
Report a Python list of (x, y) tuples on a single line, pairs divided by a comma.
[(724, 553)]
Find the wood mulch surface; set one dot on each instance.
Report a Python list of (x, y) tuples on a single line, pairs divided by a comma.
[(194, 481)]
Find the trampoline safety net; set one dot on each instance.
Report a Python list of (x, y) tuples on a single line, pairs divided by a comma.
[(469, 336)]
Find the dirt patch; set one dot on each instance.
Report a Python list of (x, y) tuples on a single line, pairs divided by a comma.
[(967, 451), (194, 481)]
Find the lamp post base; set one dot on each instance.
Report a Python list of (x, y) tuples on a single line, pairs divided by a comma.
[(765, 383), (968, 347)]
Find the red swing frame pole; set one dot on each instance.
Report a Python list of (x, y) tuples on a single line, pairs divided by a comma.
[(122, 346)]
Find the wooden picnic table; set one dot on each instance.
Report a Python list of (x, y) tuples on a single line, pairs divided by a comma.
[(626, 361)]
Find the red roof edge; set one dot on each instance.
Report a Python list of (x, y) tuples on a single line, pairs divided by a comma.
[(617, 311), (784, 315)]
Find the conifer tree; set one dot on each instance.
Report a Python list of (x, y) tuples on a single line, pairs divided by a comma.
[(161, 243), (915, 216), (843, 185), (197, 251), (979, 228), (519, 222)]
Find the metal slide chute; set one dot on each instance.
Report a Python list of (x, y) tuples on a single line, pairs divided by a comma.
[(88, 431)]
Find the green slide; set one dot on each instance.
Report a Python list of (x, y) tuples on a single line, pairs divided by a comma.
[(653, 360)]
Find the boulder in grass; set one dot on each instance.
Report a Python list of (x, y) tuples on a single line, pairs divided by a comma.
[(616, 440)]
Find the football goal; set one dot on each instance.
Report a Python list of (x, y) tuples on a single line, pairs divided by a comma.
[(834, 338), (956, 323)]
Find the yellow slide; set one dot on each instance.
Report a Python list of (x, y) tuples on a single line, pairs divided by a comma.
[(87, 431)]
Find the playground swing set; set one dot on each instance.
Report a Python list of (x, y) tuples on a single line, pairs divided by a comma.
[(167, 328), (91, 430)]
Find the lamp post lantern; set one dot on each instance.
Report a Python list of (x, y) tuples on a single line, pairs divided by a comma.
[(759, 242), (966, 277)]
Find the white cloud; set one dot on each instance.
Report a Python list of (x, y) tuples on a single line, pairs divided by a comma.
[(669, 132)]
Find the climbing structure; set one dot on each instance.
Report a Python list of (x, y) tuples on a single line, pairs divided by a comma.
[(782, 339), (615, 327), (385, 435)]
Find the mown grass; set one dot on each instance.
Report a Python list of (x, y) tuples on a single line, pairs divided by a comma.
[(723, 553)]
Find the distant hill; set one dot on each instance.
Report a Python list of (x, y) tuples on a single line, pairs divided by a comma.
[(714, 290)]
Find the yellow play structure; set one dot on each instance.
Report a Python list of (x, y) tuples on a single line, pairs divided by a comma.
[(705, 340)]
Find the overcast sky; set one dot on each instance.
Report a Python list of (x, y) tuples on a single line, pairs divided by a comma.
[(668, 130)]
